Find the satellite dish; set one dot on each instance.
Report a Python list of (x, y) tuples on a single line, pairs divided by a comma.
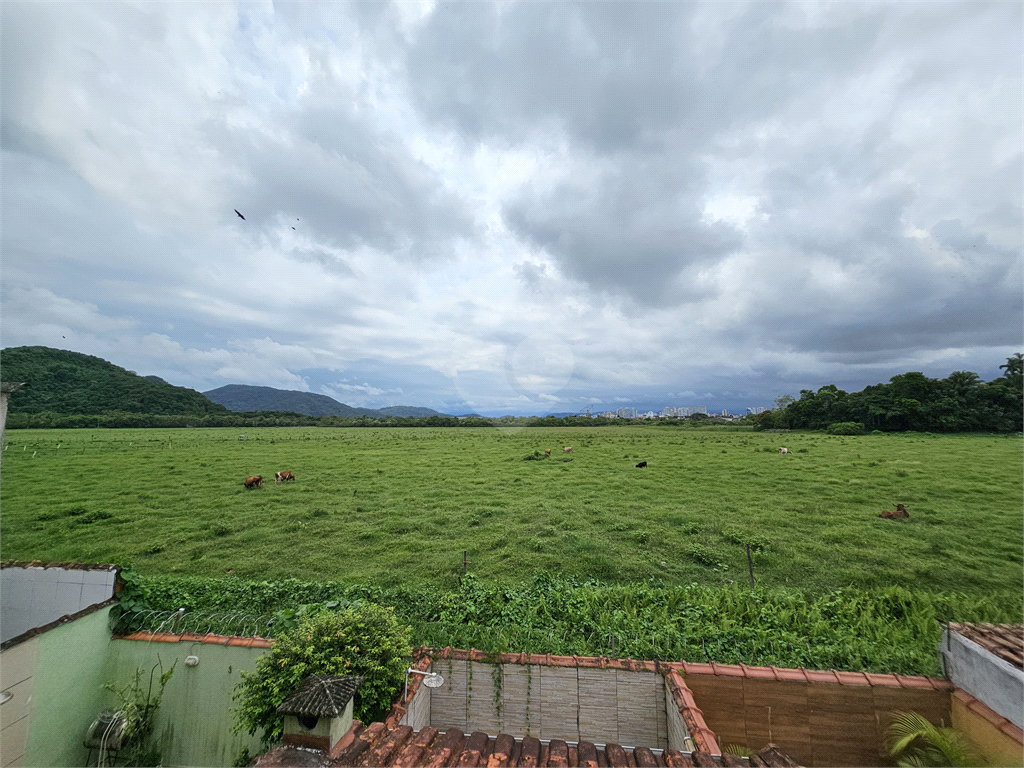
[(433, 680)]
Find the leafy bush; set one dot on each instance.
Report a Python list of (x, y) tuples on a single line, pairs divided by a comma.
[(365, 639), (704, 555), (846, 428), (738, 535)]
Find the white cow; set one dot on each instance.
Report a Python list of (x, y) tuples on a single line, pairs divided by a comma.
[(784, 450)]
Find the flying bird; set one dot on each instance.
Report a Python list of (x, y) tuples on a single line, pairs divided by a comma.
[(240, 215), (293, 227)]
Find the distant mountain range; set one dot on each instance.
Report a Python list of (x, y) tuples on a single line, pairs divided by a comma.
[(242, 397), (68, 382)]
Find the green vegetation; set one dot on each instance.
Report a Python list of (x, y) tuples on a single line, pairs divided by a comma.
[(398, 506), (914, 741), (363, 639), (138, 704), (882, 630), (911, 401), (72, 383)]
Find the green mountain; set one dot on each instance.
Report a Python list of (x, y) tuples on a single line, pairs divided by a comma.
[(72, 383), (242, 397)]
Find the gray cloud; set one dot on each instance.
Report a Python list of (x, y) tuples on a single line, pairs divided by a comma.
[(713, 197)]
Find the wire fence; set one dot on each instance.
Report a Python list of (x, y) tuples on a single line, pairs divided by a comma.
[(235, 624)]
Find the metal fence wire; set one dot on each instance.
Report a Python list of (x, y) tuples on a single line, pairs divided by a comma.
[(235, 624)]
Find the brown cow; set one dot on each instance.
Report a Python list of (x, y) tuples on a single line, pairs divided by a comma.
[(254, 481), (547, 451), (567, 449), (280, 477), (899, 514)]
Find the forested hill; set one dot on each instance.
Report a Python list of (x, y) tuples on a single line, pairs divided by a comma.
[(961, 402), (72, 383), (244, 398)]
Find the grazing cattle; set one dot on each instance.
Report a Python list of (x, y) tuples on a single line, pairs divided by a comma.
[(641, 464), (567, 449), (900, 513), (784, 450), (280, 477), (254, 481), (547, 451)]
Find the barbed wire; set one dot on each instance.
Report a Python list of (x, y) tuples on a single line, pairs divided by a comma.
[(235, 624)]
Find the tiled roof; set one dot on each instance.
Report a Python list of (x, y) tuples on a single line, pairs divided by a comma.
[(321, 696), (192, 637), (376, 745), (1004, 640)]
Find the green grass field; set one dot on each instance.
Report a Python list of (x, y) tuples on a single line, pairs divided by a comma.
[(399, 506)]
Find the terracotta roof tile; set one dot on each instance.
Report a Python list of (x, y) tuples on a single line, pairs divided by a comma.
[(915, 682), (759, 673), (783, 673), (730, 670), (852, 678), (1011, 730), (875, 679), (697, 668), (1004, 640), (820, 676)]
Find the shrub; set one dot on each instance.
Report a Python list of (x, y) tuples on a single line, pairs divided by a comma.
[(846, 428), (364, 639), (705, 555), (738, 535)]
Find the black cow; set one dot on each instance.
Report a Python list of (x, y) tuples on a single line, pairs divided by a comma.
[(641, 464)]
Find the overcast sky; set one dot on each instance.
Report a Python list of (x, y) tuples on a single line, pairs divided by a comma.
[(516, 208)]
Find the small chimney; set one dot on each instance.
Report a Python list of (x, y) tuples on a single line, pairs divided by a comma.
[(319, 712)]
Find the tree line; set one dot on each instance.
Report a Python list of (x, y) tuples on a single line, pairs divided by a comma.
[(961, 402)]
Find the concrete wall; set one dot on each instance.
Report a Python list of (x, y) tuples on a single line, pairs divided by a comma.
[(605, 706), (66, 689), (816, 723), (985, 676), (32, 597), (194, 723)]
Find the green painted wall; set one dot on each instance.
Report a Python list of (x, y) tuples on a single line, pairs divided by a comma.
[(67, 695), (194, 723)]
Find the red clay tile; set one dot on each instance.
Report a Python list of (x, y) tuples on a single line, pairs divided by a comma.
[(262, 642), (1012, 731), (558, 755), (730, 670), (561, 661), (758, 673), (786, 673), (616, 756), (821, 676), (876, 679), (915, 682), (963, 696), (346, 741), (239, 641), (941, 685), (697, 668), (530, 753), (852, 678), (993, 717)]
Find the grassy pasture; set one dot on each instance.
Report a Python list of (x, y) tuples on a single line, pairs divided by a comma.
[(399, 506)]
